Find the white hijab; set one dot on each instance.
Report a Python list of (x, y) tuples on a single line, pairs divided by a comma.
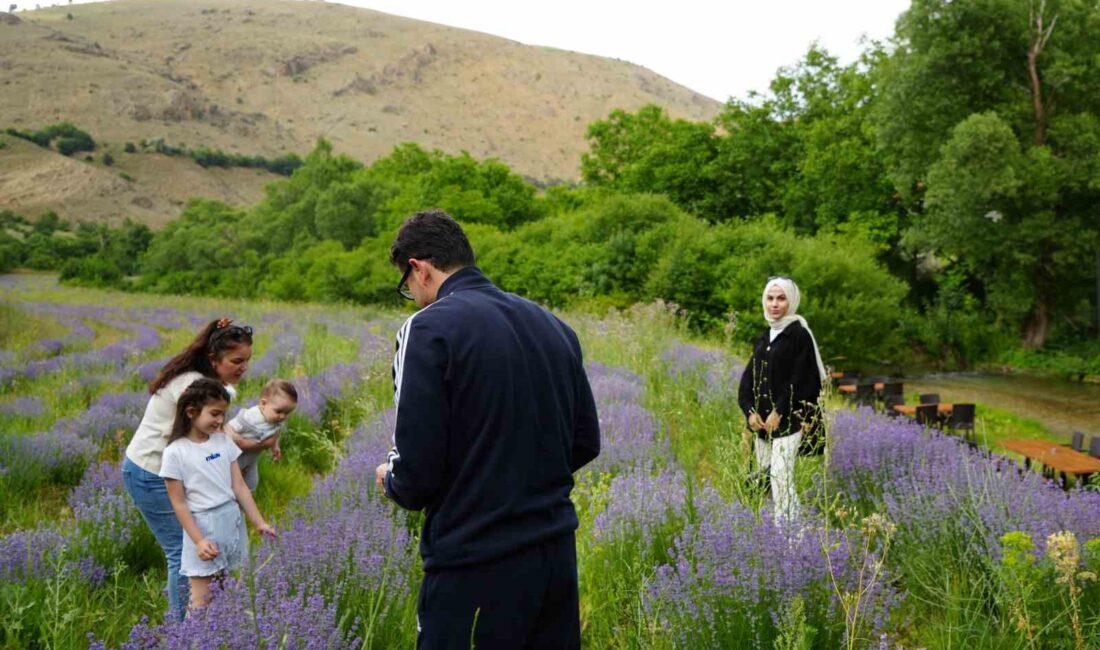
[(790, 289)]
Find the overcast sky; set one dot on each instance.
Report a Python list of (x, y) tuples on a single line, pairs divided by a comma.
[(720, 48)]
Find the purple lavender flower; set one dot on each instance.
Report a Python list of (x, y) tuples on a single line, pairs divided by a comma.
[(732, 574), (23, 407), (719, 372), (286, 348), (111, 418), (629, 435), (104, 513), (641, 501), (47, 456), (29, 553), (932, 485)]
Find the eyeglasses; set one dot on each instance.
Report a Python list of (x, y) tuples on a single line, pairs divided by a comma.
[(402, 286)]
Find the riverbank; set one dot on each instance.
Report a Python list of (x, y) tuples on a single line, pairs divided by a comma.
[(1021, 405)]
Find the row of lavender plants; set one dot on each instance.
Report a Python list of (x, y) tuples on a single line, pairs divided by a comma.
[(689, 568), (1006, 553), (140, 326), (101, 552)]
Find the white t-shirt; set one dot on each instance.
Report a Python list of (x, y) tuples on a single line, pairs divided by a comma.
[(147, 445), (251, 424), (204, 469)]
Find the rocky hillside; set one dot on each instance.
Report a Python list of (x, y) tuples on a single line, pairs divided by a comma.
[(268, 77)]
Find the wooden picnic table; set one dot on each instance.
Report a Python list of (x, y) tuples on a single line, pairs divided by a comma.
[(1056, 457), (942, 408), (851, 388)]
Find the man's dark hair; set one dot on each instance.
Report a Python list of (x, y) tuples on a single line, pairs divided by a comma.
[(434, 234)]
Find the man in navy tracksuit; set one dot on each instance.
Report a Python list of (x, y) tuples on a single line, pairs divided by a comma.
[(494, 414)]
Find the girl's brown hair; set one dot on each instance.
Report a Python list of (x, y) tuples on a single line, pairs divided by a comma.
[(200, 393), (217, 339)]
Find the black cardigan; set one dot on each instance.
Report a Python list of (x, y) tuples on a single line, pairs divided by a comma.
[(782, 375)]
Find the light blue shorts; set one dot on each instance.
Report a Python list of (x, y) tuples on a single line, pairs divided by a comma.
[(223, 525)]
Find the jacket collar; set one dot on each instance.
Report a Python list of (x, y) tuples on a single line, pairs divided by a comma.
[(788, 330), (469, 277)]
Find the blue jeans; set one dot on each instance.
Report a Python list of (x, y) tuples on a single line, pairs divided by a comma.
[(151, 498)]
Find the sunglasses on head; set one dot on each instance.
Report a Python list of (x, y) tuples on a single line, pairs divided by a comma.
[(232, 332)]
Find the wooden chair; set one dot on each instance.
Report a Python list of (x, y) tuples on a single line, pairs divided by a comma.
[(930, 398), (1094, 447), (892, 388), (1078, 443)]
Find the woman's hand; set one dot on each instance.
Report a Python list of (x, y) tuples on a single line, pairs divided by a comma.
[(772, 423), (267, 530), (207, 550), (755, 423)]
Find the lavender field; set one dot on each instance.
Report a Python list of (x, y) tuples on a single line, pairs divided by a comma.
[(910, 539)]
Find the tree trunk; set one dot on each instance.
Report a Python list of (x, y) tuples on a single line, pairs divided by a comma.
[(1038, 324), (1036, 96), (1039, 40), (1038, 327)]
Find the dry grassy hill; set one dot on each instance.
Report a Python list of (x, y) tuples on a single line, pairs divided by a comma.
[(267, 77)]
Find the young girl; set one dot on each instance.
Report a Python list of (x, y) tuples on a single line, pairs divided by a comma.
[(206, 489)]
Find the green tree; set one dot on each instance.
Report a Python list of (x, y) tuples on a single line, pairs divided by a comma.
[(649, 152), (988, 122), (199, 252)]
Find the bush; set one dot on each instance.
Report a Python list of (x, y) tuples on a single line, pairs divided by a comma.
[(95, 271), (68, 145), (130, 148), (108, 159)]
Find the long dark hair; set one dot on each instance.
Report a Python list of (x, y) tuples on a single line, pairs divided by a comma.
[(217, 338), (200, 393)]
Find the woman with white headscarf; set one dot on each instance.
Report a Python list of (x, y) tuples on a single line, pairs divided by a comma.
[(779, 391)]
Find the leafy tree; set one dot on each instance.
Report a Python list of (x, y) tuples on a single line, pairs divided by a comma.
[(199, 252), (649, 152), (345, 212), (989, 124)]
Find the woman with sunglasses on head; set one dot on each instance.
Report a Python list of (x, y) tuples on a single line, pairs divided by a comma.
[(221, 351), (779, 391)]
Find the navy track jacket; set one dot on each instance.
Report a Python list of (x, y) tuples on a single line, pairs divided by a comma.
[(494, 414)]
